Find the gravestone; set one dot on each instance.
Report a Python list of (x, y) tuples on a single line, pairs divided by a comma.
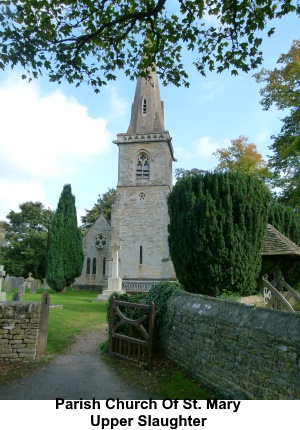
[(33, 286), (17, 297), (7, 284), (17, 281), (2, 294), (21, 289), (45, 285)]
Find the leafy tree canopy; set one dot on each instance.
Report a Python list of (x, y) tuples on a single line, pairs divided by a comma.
[(242, 157), (104, 205), (25, 244), (283, 90), (90, 40)]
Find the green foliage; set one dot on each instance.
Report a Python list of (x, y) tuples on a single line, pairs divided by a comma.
[(104, 205), (24, 240), (282, 90), (65, 253), (217, 226), (242, 157), (90, 41), (159, 294)]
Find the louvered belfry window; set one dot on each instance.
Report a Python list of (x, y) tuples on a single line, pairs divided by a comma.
[(142, 168)]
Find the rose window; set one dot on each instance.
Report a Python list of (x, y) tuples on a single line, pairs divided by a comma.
[(100, 241)]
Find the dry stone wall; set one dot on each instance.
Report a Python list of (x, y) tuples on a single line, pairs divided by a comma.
[(237, 350), (19, 329)]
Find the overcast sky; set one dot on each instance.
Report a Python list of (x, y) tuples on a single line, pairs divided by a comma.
[(56, 134)]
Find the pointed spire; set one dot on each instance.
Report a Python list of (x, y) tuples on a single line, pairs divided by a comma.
[(147, 112)]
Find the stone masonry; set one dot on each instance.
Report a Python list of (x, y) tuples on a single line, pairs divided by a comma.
[(237, 350), (19, 329)]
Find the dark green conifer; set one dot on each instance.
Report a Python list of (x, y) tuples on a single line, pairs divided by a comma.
[(65, 253), (217, 225)]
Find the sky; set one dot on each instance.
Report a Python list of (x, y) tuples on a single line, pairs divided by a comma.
[(53, 134)]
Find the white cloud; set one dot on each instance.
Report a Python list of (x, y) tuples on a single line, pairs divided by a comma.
[(43, 137), (200, 153), (13, 193), (46, 136), (119, 106)]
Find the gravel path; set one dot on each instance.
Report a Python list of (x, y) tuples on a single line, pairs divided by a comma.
[(79, 373)]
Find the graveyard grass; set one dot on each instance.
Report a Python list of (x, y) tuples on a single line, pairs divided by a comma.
[(80, 314)]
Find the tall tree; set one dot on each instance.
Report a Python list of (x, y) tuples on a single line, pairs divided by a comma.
[(65, 253), (25, 246), (103, 205), (282, 89), (217, 225), (90, 41), (242, 157)]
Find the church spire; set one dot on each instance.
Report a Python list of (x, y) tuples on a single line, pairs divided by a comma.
[(147, 112)]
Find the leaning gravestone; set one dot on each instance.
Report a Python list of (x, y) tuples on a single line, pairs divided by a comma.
[(33, 286), (7, 284)]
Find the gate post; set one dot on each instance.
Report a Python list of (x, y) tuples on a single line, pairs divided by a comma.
[(43, 328)]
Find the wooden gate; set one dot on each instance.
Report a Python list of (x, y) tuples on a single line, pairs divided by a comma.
[(131, 336)]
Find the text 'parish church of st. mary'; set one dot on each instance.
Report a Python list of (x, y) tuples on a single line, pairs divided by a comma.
[(139, 224)]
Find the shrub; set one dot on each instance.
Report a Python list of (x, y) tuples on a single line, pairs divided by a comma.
[(217, 226)]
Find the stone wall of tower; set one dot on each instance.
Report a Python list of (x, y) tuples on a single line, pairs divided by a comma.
[(140, 212), (141, 220), (160, 163)]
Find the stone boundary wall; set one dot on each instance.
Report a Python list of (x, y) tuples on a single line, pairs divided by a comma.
[(19, 330), (237, 350)]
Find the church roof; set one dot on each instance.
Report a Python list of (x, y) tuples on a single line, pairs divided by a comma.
[(147, 112), (276, 243), (147, 115)]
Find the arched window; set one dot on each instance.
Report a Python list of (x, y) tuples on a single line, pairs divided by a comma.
[(141, 254), (94, 266), (144, 106), (142, 167), (104, 266), (88, 266)]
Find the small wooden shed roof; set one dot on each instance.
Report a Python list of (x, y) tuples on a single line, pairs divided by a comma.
[(276, 243)]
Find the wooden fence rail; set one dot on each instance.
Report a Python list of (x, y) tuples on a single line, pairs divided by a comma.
[(130, 337)]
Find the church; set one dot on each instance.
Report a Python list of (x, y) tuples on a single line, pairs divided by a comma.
[(139, 224)]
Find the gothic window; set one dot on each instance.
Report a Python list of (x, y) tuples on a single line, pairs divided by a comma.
[(141, 254), (144, 106), (104, 266), (100, 241), (94, 266), (88, 266), (142, 168)]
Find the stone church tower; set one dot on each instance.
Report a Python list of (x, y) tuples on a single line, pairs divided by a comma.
[(140, 212), (139, 222)]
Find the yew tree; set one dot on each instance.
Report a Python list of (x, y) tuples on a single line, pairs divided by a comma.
[(65, 253), (91, 40), (217, 225)]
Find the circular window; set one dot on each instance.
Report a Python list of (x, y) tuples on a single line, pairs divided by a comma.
[(100, 241), (142, 196)]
